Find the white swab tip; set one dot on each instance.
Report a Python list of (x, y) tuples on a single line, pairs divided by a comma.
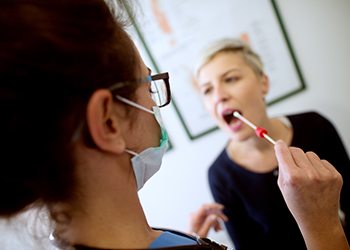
[(236, 114)]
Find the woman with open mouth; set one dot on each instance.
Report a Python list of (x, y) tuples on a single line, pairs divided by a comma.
[(243, 179)]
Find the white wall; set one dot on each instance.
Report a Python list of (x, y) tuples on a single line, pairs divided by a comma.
[(319, 31)]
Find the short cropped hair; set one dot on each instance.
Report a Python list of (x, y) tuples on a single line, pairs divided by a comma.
[(229, 45)]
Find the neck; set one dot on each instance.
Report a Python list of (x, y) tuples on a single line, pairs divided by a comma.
[(108, 213), (106, 228), (257, 154)]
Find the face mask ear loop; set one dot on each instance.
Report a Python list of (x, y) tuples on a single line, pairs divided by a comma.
[(131, 152), (131, 103)]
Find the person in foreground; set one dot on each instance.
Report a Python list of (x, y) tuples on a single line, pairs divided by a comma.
[(81, 132), (230, 77)]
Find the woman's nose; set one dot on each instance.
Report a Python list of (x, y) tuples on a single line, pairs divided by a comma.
[(220, 94)]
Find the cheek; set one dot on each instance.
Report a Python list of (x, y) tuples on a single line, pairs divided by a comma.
[(258, 97), (146, 131), (256, 106), (250, 94), (209, 106)]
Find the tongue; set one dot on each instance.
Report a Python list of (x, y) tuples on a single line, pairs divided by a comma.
[(233, 121), (229, 118)]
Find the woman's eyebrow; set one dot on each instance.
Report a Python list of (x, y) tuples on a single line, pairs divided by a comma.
[(220, 76), (204, 85), (229, 71)]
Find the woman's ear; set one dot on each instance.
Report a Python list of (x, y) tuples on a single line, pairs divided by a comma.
[(265, 84), (103, 123)]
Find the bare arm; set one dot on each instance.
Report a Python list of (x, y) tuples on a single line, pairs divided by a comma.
[(311, 188)]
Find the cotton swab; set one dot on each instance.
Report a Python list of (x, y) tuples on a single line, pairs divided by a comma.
[(260, 132)]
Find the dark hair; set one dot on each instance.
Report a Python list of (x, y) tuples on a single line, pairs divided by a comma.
[(53, 56)]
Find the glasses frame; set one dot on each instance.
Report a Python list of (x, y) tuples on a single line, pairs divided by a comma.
[(161, 76)]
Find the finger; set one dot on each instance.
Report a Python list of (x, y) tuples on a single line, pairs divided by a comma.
[(216, 209), (316, 163), (323, 167), (313, 156), (218, 226), (300, 158), (333, 170), (203, 212), (213, 206), (328, 166), (209, 208), (284, 157), (208, 223), (223, 217), (219, 213)]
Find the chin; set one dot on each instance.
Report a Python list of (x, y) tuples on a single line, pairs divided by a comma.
[(239, 137)]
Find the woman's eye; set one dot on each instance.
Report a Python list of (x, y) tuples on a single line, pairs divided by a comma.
[(206, 91), (231, 79)]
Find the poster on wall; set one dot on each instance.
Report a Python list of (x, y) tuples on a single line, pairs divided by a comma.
[(170, 35)]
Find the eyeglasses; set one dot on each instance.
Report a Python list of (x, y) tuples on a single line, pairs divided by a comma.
[(159, 87)]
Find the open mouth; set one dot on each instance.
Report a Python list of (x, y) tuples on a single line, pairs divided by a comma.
[(227, 115)]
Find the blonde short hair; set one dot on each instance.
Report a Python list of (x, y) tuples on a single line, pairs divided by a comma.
[(230, 45)]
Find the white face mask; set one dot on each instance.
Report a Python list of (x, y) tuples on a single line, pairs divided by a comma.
[(148, 162)]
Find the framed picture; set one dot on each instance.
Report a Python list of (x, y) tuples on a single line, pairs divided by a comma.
[(170, 34)]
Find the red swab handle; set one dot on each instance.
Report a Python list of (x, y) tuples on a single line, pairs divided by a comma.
[(260, 132)]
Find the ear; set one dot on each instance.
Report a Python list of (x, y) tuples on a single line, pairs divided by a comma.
[(103, 123), (265, 84)]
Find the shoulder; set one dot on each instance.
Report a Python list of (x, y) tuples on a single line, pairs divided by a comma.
[(307, 116), (312, 131), (223, 173), (220, 163), (310, 120)]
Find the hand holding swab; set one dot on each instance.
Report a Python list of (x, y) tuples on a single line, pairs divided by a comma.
[(260, 132)]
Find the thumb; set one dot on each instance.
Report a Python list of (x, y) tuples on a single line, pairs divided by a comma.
[(284, 157)]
